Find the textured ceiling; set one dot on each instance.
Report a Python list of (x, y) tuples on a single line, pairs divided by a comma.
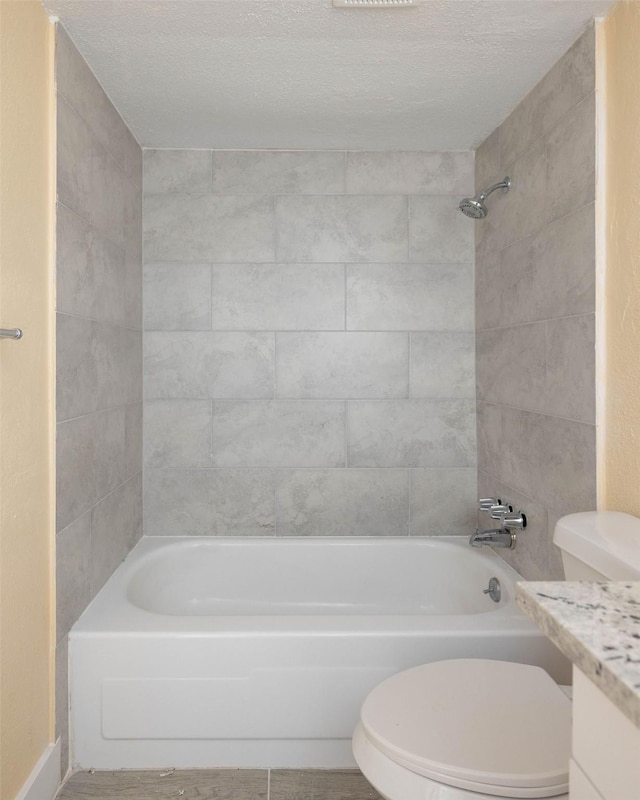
[(302, 74)]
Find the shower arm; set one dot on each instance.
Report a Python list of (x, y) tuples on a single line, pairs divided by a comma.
[(504, 185)]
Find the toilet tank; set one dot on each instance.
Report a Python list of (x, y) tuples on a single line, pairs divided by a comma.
[(599, 546)]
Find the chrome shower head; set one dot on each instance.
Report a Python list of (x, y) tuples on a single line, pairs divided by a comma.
[(474, 207)]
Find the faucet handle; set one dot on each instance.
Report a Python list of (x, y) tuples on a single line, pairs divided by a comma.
[(498, 511), (518, 520), (486, 503)]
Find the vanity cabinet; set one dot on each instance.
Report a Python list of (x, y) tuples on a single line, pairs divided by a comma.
[(605, 748)]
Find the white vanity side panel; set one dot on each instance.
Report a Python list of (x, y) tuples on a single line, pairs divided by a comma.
[(580, 787), (606, 745)]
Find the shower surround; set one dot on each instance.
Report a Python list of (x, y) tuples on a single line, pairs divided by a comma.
[(98, 346), (308, 344), (535, 309)]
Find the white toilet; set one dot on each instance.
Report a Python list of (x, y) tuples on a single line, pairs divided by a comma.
[(474, 728)]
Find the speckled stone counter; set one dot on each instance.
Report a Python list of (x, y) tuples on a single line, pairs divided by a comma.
[(597, 626)]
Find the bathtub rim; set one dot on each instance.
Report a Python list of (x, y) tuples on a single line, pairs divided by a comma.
[(110, 613)]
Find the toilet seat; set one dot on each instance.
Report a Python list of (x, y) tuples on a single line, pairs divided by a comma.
[(492, 727)]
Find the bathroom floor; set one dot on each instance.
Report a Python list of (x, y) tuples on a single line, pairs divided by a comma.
[(219, 784)]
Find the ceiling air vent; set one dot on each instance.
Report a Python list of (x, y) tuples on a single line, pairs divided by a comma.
[(376, 3)]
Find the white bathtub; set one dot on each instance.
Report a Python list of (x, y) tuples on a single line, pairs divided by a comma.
[(259, 652)]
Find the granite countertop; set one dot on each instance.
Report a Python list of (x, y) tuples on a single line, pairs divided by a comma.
[(597, 626)]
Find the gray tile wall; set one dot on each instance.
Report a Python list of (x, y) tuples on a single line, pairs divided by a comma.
[(535, 309), (309, 343), (99, 344)]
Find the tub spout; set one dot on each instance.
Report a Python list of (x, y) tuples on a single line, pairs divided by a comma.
[(494, 537)]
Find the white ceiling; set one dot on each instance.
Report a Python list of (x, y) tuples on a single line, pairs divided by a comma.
[(302, 74)]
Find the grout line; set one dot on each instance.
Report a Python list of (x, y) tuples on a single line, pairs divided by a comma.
[(91, 224), (546, 225), (542, 137), (323, 468), (99, 321), (101, 411), (537, 413), (268, 784), (321, 331), (544, 321), (295, 399)]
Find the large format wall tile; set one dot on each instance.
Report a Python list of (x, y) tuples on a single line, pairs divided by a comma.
[(75, 149), (73, 565), (281, 433), (531, 554), (525, 209), (557, 452), (279, 284), (438, 232), (570, 80), (177, 297), (489, 438), (217, 502), (278, 297), (443, 502), (342, 365), (82, 90), (93, 281), (443, 364), (98, 366), (133, 439), (409, 173), (535, 312), (116, 525), (512, 365), (570, 359), (91, 461), (487, 162), (549, 274), (278, 172), (184, 171), (203, 364), (177, 433), (571, 168), (107, 200), (201, 227), (415, 297), (343, 502), (490, 296), (414, 433), (341, 228), (99, 345)]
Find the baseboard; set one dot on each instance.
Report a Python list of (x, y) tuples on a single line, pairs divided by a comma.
[(44, 780)]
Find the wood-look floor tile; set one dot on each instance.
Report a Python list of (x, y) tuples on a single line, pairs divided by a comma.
[(222, 784), (319, 784)]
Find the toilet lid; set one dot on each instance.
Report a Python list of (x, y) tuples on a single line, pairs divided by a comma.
[(489, 726)]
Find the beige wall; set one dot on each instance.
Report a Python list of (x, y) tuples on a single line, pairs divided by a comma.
[(619, 456), (26, 390)]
